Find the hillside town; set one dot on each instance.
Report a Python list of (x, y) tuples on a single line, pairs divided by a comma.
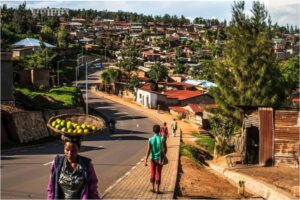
[(233, 91)]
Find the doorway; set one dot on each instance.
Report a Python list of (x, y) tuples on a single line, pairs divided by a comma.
[(252, 145)]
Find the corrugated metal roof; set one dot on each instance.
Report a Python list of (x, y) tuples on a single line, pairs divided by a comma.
[(203, 83), (32, 42)]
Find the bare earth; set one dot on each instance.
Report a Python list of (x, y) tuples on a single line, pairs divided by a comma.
[(199, 182), (283, 177), (195, 181)]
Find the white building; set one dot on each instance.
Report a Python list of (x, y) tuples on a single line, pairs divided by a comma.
[(49, 12), (146, 97)]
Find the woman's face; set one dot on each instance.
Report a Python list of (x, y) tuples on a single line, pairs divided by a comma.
[(71, 151)]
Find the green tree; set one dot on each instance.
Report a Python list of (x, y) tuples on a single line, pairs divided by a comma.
[(134, 82), (158, 72), (34, 61), (129, 54), (179, 67), (205, 71), (22, 19), (61, 37), (52, 22), (290, 74), (248, 74), (47, 34), (106, 80), (110, 77)]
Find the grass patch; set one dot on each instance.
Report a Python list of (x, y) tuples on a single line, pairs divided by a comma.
[(189, 151), (195, 154), (64, 97), (205, 141)]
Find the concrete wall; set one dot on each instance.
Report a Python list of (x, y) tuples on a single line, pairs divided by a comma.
[(6, 77), (25, 77), (146, 99), (4, 137), (27, 126), (40, 77)]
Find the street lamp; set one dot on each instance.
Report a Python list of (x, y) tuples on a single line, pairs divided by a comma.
[(58, 71), (77, 68)]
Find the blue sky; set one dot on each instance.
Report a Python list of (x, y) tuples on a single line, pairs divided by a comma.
[(281, 11)]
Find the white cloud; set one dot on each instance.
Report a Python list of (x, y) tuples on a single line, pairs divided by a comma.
[(284, 12)]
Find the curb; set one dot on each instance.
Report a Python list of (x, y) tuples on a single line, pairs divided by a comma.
[(260, 188)]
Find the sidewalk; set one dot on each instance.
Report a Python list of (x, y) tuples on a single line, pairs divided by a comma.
[(136, 184)]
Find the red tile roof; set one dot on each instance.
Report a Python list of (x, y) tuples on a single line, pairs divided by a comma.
[(296, 100), (196, 108), (146, 88), (182, 94), (178, 109)]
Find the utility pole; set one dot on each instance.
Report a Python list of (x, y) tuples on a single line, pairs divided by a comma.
[(58, 71), (86, 90)]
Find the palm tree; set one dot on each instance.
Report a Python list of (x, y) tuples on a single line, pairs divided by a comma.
[(114, 75), (110, 76)]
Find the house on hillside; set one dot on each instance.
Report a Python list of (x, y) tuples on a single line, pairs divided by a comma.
[(178, 77), (151, 55), (176, 86), (202, 85), (178, 111), (184, 97), (22, 52), (149, 98), (198, 114), (142, 71)]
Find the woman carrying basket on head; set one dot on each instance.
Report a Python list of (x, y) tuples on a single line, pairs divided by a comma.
[(72, 176)]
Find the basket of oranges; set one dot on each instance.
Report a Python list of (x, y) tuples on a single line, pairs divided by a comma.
[(76, 124)]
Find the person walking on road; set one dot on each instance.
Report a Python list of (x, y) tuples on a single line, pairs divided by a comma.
[(154, 150), (72, 176), (174, 127), (164, 136)]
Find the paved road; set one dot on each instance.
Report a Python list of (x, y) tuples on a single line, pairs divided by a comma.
[(25, 172)]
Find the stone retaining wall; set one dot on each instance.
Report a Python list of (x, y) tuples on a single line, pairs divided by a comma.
[(27, 126)]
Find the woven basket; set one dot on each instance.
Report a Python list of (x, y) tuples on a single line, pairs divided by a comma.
[(79, 119)]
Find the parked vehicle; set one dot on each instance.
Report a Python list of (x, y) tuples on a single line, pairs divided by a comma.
[(98, 65)]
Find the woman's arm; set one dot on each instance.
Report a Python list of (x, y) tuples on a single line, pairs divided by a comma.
[(50, 189), (147, 154), (93, 183)]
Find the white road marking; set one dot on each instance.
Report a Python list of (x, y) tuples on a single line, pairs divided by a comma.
[(137, 125), (120, 179)]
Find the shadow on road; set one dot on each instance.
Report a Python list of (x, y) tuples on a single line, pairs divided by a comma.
[(57, 147)]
